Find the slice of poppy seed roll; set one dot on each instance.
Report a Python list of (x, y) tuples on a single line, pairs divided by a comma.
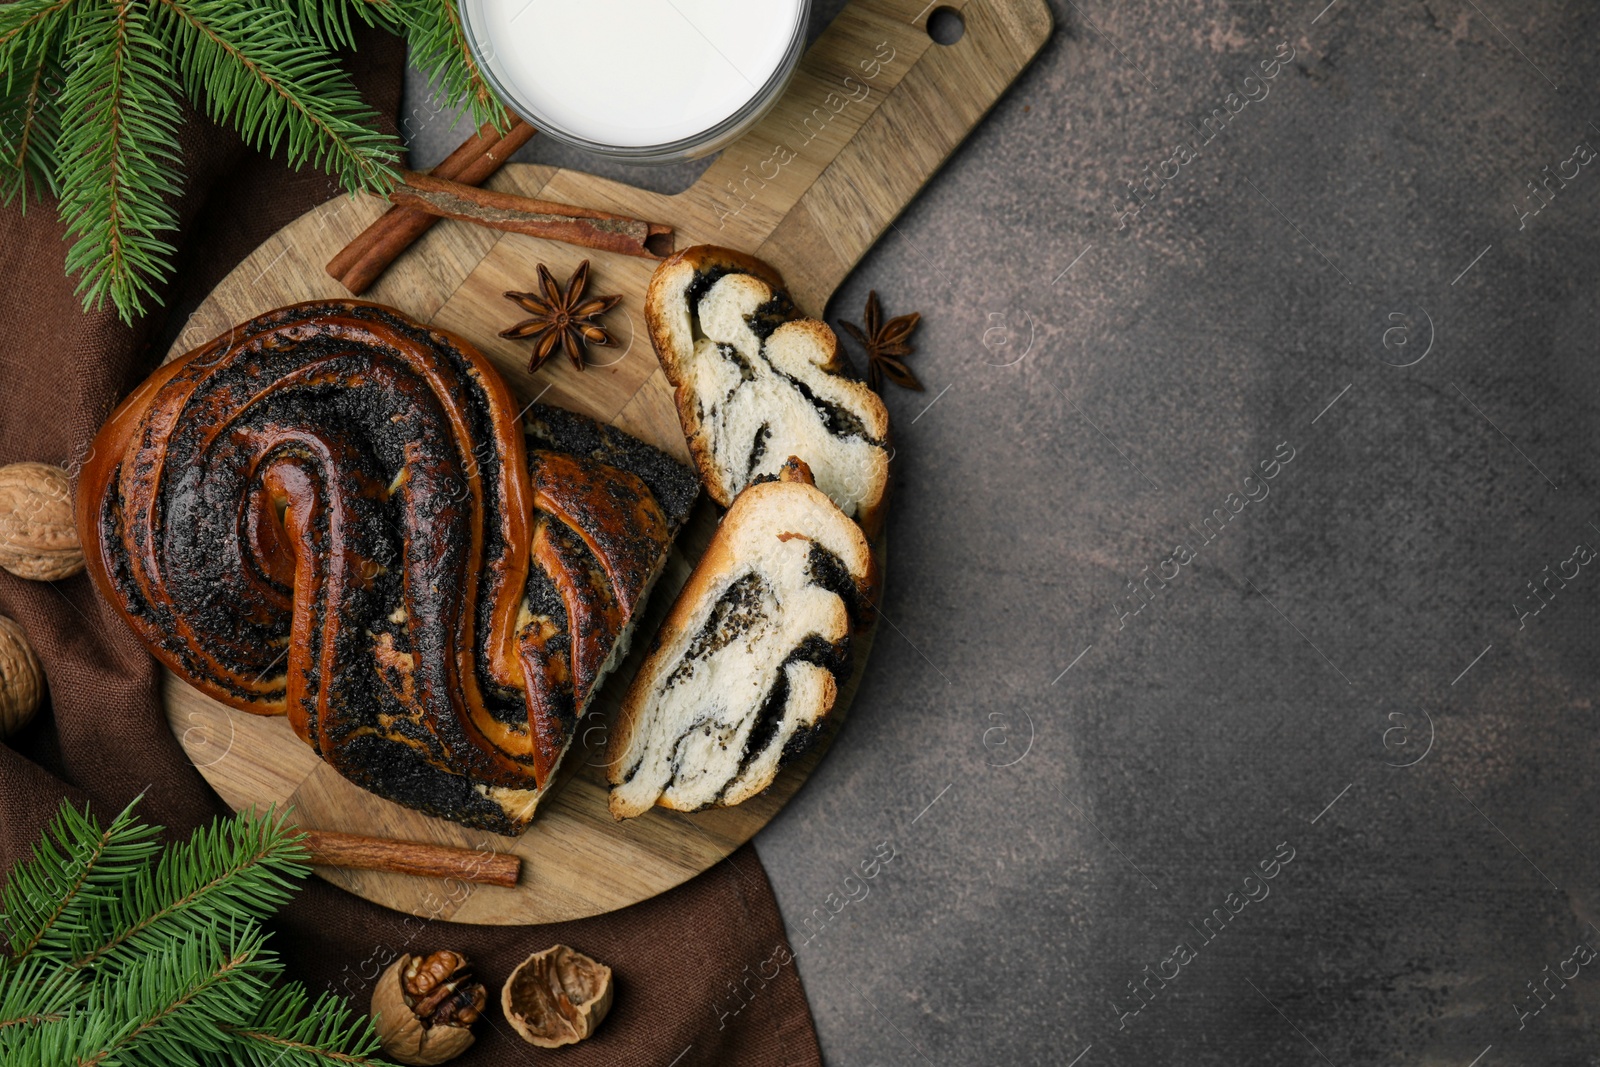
[(745, 670), (757, 382)]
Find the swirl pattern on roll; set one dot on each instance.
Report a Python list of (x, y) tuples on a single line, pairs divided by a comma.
[(332, 512)]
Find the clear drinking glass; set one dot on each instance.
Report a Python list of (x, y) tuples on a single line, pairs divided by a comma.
[(641, 81)]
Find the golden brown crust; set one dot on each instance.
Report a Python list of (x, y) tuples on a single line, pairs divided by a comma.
[(672, 335), (673, 272), (719, 558), (329, 513), (756, 510), (696, 260)]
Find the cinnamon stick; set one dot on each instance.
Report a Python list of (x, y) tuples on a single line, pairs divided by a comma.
[(331, 849), (360, 263), (536, 218)]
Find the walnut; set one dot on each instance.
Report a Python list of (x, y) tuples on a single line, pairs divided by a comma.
[(21, 679), (557, 997), (424, 1007), (38, 538)]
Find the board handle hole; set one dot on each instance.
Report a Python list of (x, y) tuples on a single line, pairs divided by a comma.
[(946, 26)]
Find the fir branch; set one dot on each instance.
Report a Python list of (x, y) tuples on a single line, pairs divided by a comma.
[(118, 156), (178, 970), (330, 23), (438, 45), (32, 75), (251, 66), (34, 991), (173, 1007), (286, 1034), (236, 869), (89, 108), (51, 897), (178, 1001), (20, 17), (28, 134)]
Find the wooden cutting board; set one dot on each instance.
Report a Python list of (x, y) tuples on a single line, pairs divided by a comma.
[(874, 109)]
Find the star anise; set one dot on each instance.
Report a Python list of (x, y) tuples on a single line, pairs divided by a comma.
[(887, 345), (562, 318)]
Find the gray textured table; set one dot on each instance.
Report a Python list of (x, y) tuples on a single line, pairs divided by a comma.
[(1129, 673)]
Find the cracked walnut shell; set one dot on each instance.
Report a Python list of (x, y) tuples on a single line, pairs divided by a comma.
[(38, 538), (423, 1007), (557, 997), (21, 679)]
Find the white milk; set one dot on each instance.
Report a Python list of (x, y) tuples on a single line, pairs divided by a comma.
[(632, 73)]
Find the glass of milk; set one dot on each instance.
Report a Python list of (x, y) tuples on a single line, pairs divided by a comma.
[(646, 81)]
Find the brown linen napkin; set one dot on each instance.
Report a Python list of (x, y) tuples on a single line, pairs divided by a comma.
[(688, 989)]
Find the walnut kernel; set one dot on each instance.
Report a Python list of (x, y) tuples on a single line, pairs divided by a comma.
[(424, 1007)]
